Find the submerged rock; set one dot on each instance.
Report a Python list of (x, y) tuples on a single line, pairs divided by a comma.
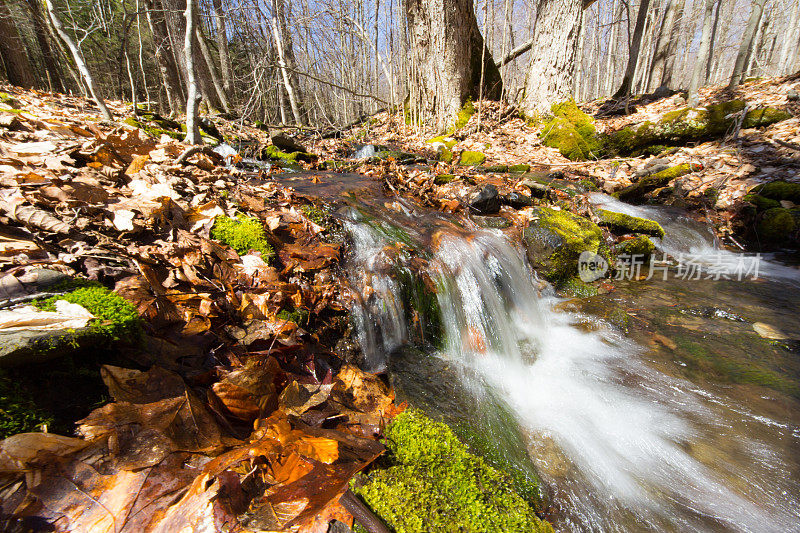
[(486, 202), (491, 222), (517, 200)]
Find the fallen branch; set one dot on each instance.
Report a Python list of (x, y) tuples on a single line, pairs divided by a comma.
[(193, 150), (361, 513)]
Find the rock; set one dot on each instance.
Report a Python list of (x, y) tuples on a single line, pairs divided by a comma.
[(470, 158), (287, 144), (622, 223), (678, 100), (517, 200), (662, 92), (777, 225), (496, 168), (538, 190), (769, 332), (555, 175), (649, 170), (793, 96), (519, 168), (491, 222), (656, 161), (29, 346), (779, 190), (654, 181), (487, 201), (640, 246), (555, 239)]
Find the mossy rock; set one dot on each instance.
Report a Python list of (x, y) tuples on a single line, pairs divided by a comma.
[(640, 247), (397, 155), (520, 168), (620, 222), (154, 131), (555, 239), (762, 203), (242, 234), (653, 181), (448, 142), (274, 153), (445, 155), (776, 225), (686, 125), (442, 179), (432, 483), (779, 190), (578, 288), (499, 169), (471, 158), (571, 131)]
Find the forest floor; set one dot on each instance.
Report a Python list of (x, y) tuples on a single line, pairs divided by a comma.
[(237, 402)]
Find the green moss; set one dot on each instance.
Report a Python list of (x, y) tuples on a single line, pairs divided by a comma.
[(779, 190), (298, 316), (576, 287), (764, 116), (571, 131), (519, 168), (589, 185), (242, 234), (445, 155), (496, 168), (628, 224), (641, 245), (154, 131), (275, 153), (18, 411), (470, 158), (556, 238), (776, 225), (448, 142), (116, 317), (761, 202), (421, 307), (441, 179), (463, 116), (433, 484), (654, 181)]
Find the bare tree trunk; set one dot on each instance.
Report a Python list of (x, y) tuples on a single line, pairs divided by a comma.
[(612, 48), (164, 57), (447, 52), (288, 72), (791, 42), (193, 99), (222, 44), (43, 38), (712, 43), (668, 72), (212, 69), (76, 55), (555, 40), (748, 43), (12, 50), (633, 55), (702, 54)]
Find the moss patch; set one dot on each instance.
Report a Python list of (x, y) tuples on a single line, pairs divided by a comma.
[(776, 225), (519, 168), (578, 288), (242, 234), (779, 190), (463, 116), (442, 179), (448, 142), (620, 222), (640, 246), (432, 483), (18, 411), (470, 158), (571, 131), (762, 203), (496, 168), (654, 181)]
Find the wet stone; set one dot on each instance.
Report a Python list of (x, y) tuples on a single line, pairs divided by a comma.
[(486, 202)]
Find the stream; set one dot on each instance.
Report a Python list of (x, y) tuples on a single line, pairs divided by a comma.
[(681, 419)]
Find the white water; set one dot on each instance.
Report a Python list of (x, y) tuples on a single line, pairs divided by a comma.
[(368, 150), (692, 241), (618, 442)]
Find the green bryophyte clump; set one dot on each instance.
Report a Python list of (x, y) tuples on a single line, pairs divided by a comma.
[(762, 203), (654, 181), (470, 158), (640, 246), (520, 168), (571, 131), (116, 318), (18, 411), (779, 190), (448, 142), (777, 224), (298, 316), (433, 484), (625, 223), (242, 234), (463, 116)]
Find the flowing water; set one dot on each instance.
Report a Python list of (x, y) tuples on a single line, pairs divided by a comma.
[(623, 438)]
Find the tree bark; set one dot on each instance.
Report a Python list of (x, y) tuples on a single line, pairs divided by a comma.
[(193, 98), (698, 71), (555, 40), (748, 43), (43, 38), (76, 55), (285, 57), (222, 44), (212, 69), (446, 52), (164, 56), (791, 42), (633, 54), (12, 51)]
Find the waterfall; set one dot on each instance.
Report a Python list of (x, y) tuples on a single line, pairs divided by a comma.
[(622, 446)]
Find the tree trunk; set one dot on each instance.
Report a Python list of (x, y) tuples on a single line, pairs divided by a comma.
[(555, 42), (164, 56), (633, 54), (710, 55), (286, 60), (791, 42), (76, 55), (13, 52), (222, 44), (748, 43), (193, 98), (698, 71), (446, 53), (212, 69), (43, 38)]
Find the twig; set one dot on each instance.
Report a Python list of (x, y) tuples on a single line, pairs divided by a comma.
[(362, 513)]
